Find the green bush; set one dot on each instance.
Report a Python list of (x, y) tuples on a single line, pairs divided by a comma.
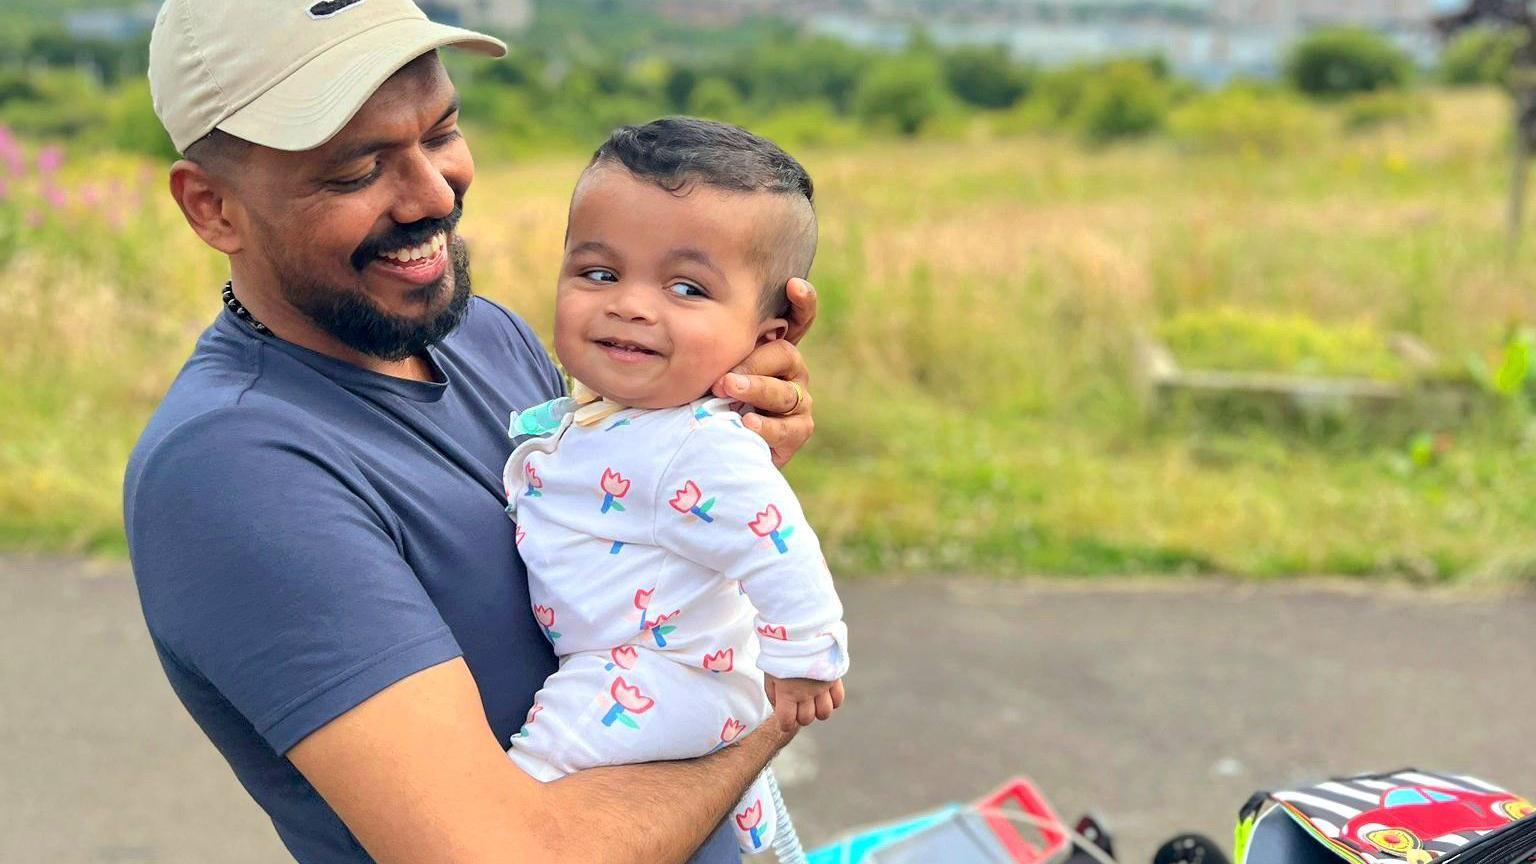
[(901, 93), (1123, 100), (985, 77), (1338, 61), (1481, 55), (1246, 119), (715, 98)]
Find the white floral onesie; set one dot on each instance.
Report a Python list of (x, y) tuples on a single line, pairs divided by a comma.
[(670, 566)]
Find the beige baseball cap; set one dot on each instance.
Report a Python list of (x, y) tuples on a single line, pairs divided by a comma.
[(286, 74)]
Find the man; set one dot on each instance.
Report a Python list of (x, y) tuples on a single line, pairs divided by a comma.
[(314, 512)]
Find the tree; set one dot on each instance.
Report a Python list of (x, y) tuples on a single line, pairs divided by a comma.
[(901, 92), (1338, 61), (1478, 55), (985, 76)]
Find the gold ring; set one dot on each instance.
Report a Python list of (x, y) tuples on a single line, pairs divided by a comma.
[(799, 397)]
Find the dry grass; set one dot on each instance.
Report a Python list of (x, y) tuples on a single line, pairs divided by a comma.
[(972, 358)]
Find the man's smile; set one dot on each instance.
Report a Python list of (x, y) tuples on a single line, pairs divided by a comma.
[(419, 265)]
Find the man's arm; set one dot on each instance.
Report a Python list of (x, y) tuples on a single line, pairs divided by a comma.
[(417, 775)]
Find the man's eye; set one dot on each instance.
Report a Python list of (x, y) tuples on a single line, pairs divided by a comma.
[(686, 289), (598, 274), (445, 139), (358, 182)]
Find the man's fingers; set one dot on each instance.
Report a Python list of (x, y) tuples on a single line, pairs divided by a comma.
[(777, 359), (824, 707), (806, 712), (837, 694), (802, 308)]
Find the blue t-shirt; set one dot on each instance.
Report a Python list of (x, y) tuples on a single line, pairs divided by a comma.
[(305, 533)]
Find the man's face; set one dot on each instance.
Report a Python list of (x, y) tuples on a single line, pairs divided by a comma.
[(359, 233)]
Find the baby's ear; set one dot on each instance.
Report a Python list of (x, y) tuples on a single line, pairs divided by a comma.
[(772, 330)]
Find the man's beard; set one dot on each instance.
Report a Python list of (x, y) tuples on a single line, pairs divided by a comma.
[(355, 321)]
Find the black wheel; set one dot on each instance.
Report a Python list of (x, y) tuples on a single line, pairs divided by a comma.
[(1190, 849)]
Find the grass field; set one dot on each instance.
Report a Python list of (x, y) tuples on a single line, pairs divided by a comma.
[(972, 362)]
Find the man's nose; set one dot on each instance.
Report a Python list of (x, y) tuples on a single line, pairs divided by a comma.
[(425, 192)]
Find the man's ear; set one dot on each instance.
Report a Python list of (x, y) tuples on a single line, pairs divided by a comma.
[(204, 201), (772, 330)]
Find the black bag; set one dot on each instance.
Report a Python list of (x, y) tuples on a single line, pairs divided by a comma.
[(1408, 815)]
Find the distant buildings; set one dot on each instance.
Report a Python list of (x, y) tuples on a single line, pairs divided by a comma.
[(1211, 40)]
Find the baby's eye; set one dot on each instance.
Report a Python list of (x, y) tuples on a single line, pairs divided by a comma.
[(599, 274), (686, 289)]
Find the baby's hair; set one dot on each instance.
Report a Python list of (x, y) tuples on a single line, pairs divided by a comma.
[(674, 152)]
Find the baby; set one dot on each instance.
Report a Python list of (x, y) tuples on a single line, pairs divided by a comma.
[(670, 565)]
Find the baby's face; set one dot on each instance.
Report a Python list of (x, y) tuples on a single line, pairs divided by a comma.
[(659, 294)]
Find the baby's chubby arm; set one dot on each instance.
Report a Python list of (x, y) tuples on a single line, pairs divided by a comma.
[(728, 508)]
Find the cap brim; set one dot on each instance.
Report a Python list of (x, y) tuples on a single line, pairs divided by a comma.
[(307, 108)]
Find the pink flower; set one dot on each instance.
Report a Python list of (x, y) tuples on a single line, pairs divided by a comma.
[(766, 522), (10, 152), (532, 713), (643, 599), (662, 619), (720, 661), (687, 497), (751, 817), (630, 697), (731, 730), (773, 631), (614, 483), (625, 657), (545, 615), (49, 160), (533, 475), (517, 538), (90, 195), (56, 197)]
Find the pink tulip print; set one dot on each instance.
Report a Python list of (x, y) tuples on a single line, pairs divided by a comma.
[(773, 631), (626, 699), (750, 820), (730, 732), (643, 602), (687, 502), (614, 487), (769, 524), (721, 661), (546, 618), (532, 713), (660, 629), (518, 536), (534, 482), (624, 657)]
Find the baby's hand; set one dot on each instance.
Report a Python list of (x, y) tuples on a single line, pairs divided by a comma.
[(802, 701)]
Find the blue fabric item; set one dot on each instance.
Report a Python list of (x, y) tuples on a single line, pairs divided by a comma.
[(305, 533)]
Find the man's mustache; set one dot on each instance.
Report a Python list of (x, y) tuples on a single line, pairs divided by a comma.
[(402, 236)]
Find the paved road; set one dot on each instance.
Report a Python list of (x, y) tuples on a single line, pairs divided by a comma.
[(1160, 706)]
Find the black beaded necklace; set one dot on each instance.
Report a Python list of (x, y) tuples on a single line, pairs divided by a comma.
[(241, 312)]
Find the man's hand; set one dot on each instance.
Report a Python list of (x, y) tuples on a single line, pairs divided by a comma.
[(802, 701), (773, 381)]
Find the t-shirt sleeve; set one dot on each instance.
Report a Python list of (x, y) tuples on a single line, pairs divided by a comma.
[(725, 506), (264, 569)]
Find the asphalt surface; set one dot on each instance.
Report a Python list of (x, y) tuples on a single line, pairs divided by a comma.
[(1159, 706)]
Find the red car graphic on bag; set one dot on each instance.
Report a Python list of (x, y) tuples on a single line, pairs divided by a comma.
[(1410, 815)]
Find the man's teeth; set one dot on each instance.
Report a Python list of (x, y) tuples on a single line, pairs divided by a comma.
[(428, 249)]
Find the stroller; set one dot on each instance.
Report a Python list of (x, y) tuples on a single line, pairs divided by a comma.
[(1398, 817)]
